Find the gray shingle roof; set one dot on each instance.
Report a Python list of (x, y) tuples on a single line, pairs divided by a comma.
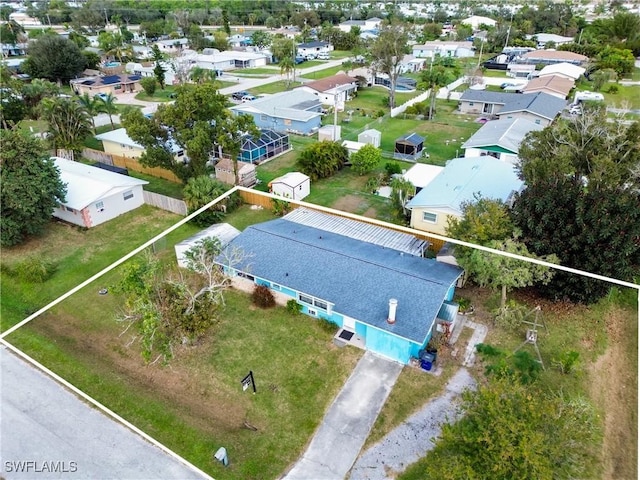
[(504, 133), (486, 96), (542, 104), (357, 277)]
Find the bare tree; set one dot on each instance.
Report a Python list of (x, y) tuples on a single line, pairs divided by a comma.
[(387, 52)]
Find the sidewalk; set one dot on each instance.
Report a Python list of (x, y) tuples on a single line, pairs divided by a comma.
[(347, 423)]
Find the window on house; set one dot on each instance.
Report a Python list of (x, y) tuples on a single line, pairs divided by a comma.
[(313, 312), (305, 298), (127, 195), (538, 121), (287, 121), (100, 206), (275, 286), (117, 87), (69, 209), (263, 117), (429, 217), (180, 153), (320, 304), (471, 104)]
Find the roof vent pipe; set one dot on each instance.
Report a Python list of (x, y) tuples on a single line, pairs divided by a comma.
[(393, 304)]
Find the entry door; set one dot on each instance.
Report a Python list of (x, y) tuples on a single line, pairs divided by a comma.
[(349, 324)]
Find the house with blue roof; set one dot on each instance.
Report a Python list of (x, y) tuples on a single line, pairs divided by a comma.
[(460, 180), (370, 281), (296, 111), (109, 84)]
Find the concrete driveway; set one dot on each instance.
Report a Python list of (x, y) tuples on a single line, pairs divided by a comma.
[(347, 423), (47, 432)]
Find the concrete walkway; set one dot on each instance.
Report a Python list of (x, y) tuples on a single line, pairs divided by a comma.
[(414, 438), (346, 425), (48, 432)]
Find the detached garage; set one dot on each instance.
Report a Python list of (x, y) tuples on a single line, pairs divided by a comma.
[(293, 185)]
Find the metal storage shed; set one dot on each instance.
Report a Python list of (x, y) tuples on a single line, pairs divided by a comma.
[(224, 232), (371, 136)]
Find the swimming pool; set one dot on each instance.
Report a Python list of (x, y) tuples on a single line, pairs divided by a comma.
[(112, 64)]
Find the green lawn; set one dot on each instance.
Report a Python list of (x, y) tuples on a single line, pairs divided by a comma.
[(335, 54), (495, 74), (33, 126), (275, 87), (257, 71), (159, 185), (326, 72), (627, 95), (158, 96), (195, 405), (93, 142)]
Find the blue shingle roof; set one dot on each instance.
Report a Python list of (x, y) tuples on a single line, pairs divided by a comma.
[(462, 178), (357, 277), (542, 104)]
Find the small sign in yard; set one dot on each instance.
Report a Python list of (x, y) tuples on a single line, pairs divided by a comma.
[(248, 381)]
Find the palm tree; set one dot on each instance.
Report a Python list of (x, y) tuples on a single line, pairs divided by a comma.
[(90, 104), (69, 123), (107, 104), (287, 64)]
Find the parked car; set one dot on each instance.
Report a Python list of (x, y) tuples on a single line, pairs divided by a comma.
[(102, 96), (300, 60), (248, 98), (310, 56), (239, 95), (323, 56)]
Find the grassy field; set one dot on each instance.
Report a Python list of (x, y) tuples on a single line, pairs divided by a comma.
[(627, 97), (276, 87), (158, 96), (159, 185), (275, 69), (33, 126), (326, 72), (196, 404)]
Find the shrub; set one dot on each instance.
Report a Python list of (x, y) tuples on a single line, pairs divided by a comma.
[(262, 297), (613, 89), (373, 184), (392, 168), (148, 84), (327, 325), (379, 114), (34, 270), (280, 207), (567, 362), (293, 307), (511, 315)]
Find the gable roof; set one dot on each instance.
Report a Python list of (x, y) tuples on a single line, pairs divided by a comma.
[(462, 178), (358, 278), (421, 174), (226, 165), (541, 104), (313, 44), (411, 139), (557, 55), (87, 184), (486, 96), (295, 105), (506, 133), (328, 83), (119, 135), (563, 68), (291, 179), (550, 83)]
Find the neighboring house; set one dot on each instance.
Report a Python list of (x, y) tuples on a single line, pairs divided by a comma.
[(540, 107), (213, 59), (459, 182), (566, 70), (363, 25), (351, 273), (172, 45), (334, 90), (544, 38), (552, 84), (444, 49), (296, 111), (409, 147), (117, 142), (476, 21), (411, 64), (520, 70), (239, 41), (147, 71), (314, 48), (113, 84), (223, 232), (293, 185), (142, 52), (246, 173), (94, 195), (13, 50), (289, 32), (549, 57), (403, 84), (420, 175), (500, 139)]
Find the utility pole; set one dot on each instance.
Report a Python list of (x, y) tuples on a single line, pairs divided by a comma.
[(335, 114), (509, 30)]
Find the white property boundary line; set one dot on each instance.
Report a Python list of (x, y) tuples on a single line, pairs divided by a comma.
[(300, 203), (103, 409)]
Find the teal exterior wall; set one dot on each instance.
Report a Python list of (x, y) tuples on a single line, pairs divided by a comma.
[(390, 346), (451, 292)]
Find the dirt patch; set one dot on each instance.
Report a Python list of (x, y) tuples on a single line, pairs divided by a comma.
[(614, 388), (348, 203), (371, 213)]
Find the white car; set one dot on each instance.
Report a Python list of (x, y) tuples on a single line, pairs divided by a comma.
[(323, 56), (248, 98)]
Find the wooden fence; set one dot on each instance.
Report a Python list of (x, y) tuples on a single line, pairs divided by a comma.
[(129, 164), (169, 204)]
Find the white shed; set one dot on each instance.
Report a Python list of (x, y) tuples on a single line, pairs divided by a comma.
[(224, 232), (352, 147), (371, 136), (330, 133), (293, 185)]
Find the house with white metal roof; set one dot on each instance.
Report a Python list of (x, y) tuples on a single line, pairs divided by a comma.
[(383, 299), (421, 174), (439, 48), (567, 70), (459, 182), (500, 139), (118, 142), (296, 111), (475, 21), (94, 195)]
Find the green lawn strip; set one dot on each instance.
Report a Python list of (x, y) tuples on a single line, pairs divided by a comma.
[(77, 254), (33, 126), (336, 54), (297, 371), (495, 74), (158, 96), (159, 185), (257, 71), (275, 87), (325, 72), (627, 96)]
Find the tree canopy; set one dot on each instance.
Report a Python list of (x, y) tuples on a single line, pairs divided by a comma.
[(197, 122), (30, 187), (322, 159), (54, 58), (387, 52), (366, 159)]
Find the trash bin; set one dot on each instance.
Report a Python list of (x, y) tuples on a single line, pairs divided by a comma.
[(427, 360)]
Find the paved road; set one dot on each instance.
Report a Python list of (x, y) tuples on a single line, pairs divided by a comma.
[(41, 421), (346, 425)]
